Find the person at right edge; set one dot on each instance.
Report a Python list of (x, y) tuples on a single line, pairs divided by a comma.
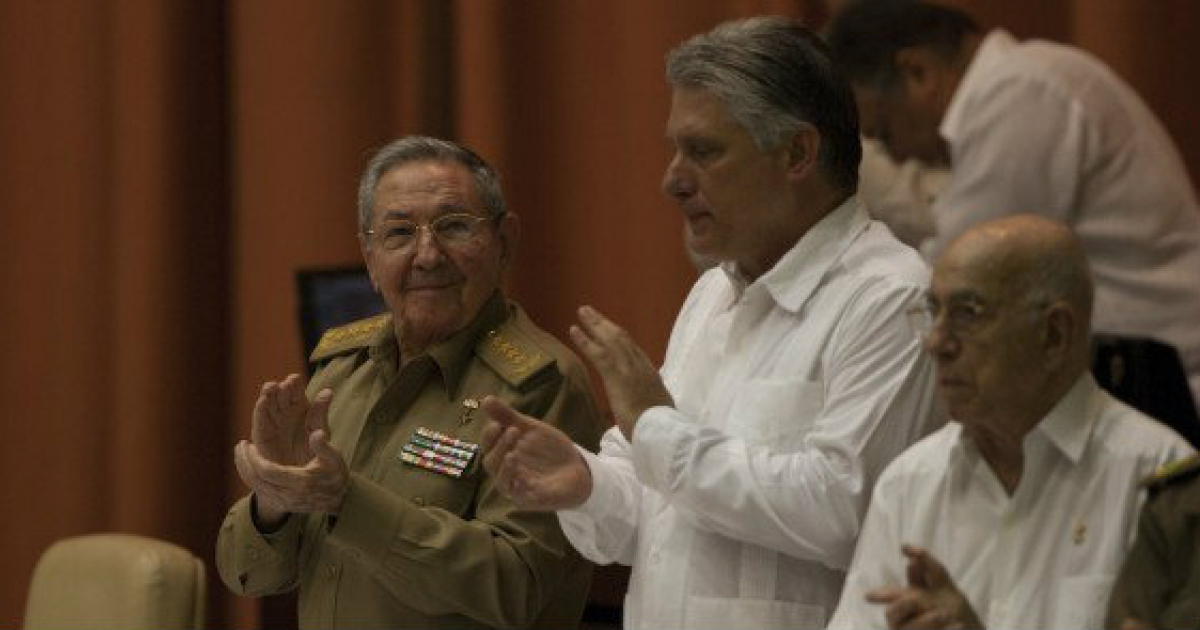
[(1159, 585)]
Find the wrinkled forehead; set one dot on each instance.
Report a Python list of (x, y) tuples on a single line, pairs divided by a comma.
[(978, 273), (425, 188)]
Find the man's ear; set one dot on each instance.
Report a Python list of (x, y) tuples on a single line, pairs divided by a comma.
[(804, 151), (1059, 330), (509, 232)]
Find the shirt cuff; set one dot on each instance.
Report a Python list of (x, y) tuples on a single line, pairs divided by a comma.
[(604, 488), (653, 446)]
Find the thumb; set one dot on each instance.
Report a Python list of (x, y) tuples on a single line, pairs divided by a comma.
[(325, 453), (503, 414), (317, 416)]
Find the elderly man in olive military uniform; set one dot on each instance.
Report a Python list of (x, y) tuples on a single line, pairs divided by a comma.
[(367, 491), (1159, 586)]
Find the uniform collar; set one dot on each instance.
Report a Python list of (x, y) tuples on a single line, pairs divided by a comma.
[(793, 280), (453, 355), (990, 53)]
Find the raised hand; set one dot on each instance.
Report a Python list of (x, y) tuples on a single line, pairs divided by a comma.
[(931, 599), (289, 463), (283, 418), (630, 379), (532, 463)]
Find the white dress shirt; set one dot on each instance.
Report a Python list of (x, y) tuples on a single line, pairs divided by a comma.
[(1045, 128), (1044, 557), (739, 508), (900, 193)]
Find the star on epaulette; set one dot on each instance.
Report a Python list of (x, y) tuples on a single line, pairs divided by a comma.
[(513, 359), (353, 335), (1172, 472)]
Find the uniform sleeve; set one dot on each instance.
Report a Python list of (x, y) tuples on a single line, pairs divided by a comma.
[(251, 563), (1141, 589), (501, 567), (805, 500), (1021, 149), (604, 528)]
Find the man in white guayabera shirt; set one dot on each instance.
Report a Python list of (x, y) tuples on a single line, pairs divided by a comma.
[(735, 483), (1019, 513), (1034, 126)]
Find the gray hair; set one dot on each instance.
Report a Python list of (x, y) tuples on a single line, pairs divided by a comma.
[(775, 75), (410, 149)]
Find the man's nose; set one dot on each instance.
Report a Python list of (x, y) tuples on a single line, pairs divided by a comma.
[(427, 251), (678, 183), (938, 343)]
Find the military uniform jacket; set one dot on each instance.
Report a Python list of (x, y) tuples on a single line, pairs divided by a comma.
[(1160, 581), (423, 539)]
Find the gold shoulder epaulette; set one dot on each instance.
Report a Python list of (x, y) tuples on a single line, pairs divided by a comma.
[(1173, 471), (350, 336), (513, 356)]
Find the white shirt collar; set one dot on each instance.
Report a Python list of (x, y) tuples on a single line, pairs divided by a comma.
[(1067, 427), (1069, 424), (796, 275)]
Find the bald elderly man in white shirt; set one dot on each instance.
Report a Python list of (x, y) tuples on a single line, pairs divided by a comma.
[(1018, 513)]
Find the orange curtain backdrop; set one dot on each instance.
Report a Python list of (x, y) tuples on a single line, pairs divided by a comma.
[(166, 166)]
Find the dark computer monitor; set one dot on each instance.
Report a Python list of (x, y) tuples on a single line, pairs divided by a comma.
[(333, 296)]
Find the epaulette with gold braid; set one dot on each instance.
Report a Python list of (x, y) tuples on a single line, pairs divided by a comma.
[(350, 336), (513, 357), (1172, 472)]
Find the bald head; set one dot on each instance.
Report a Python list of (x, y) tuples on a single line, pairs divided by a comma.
[(1033, 259)]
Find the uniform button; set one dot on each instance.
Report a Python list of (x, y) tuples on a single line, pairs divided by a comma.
[(253, 555), (419, 501), (331, 571)]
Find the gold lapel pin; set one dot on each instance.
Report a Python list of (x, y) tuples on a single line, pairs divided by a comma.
[(469, 405)]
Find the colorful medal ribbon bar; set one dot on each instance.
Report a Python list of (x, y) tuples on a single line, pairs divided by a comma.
[(438, 452)]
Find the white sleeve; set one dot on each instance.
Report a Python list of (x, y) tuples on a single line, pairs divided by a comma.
[(807, 501), (604, 528), (1021, 149), (877, 563)]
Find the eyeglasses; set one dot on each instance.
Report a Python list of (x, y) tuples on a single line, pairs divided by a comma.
[(449, 229), (960, 317)]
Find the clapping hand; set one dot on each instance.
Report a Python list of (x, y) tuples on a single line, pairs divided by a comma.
[(632, 382), (931, 599), (531, 462), (288, 462)]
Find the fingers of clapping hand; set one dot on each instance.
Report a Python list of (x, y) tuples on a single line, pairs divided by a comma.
[(923, 569), (500, 438), (250, 466), (604, 343), (903, 605), (317, 486)]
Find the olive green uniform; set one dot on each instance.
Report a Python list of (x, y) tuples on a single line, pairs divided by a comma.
[(1160, 581), (413, 546)]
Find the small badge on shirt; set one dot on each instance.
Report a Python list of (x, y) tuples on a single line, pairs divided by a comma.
[(438, 452), (469, 405), (1080, 533)]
